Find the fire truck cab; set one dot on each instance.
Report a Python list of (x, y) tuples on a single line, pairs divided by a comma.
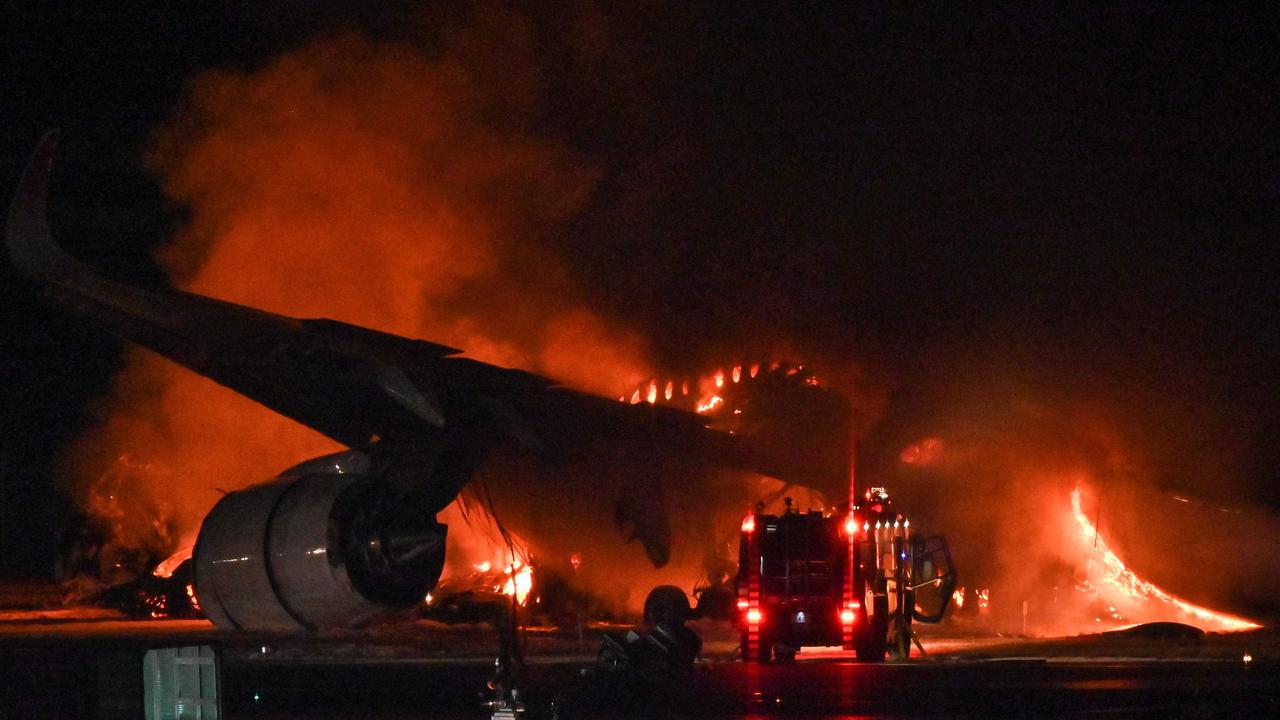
[(854, 578)]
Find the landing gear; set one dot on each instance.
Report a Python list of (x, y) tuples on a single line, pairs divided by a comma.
[(900, 638)]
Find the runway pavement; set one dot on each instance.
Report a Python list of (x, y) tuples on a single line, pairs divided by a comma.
[(62, 665)]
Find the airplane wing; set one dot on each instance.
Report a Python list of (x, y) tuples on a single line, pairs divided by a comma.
[(368, 389)]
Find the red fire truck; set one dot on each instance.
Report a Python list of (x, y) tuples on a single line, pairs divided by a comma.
[(854, 578)]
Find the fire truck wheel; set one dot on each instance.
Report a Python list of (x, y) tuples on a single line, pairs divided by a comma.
[(873, 643), (666, 604)]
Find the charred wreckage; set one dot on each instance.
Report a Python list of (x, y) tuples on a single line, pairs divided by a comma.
[(339, 540)]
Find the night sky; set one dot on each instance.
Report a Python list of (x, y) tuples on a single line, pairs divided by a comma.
[(1084, 201)]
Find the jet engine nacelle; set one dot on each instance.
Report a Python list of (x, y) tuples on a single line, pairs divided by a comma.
[(318, 547)]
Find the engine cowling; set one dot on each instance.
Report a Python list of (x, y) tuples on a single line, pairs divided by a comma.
[(318, 547)]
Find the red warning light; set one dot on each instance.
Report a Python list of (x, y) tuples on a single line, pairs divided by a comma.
[(851, 526), (849, 615), (749, 524)]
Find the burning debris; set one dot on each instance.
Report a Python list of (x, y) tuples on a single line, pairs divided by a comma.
[(156, 597), (121, 554)]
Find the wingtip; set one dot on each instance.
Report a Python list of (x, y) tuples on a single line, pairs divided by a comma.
[(35, 179), (27, 237)]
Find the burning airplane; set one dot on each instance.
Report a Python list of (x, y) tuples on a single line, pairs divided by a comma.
[(339, 539)]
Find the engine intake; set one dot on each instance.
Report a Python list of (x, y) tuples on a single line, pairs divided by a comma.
[(314, 551)]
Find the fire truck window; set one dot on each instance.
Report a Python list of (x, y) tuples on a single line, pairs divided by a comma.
[(797, 559)]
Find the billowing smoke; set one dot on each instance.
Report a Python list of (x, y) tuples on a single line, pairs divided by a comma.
[(377, 183)]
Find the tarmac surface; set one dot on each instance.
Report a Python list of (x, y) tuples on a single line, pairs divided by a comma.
[(86, 664)]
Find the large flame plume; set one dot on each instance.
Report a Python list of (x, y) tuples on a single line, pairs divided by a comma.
[(376, 183), (1139, 599), (1004, 469)]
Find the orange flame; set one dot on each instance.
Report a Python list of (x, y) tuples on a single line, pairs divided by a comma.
[(1108, 573), (519, 581), (168, 565), (710, 404)]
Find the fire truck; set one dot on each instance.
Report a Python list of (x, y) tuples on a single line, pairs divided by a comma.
[(854, 578)]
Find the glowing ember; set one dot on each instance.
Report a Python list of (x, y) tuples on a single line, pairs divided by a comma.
[(168, 565), (159, 606), (984, 597), (191, 596), (1110, 575), (957, 597)]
